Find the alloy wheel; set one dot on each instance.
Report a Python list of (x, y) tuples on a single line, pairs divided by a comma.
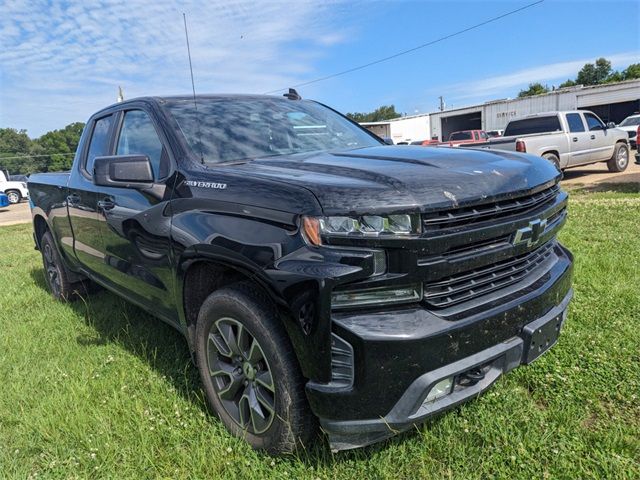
[(241, 375), (622, 158), (13, 197), (51, 270)]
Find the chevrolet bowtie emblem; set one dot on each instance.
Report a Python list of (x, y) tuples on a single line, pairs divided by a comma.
[(531, 233)]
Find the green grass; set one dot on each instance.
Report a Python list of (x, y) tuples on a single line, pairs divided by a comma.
[(100, 389)]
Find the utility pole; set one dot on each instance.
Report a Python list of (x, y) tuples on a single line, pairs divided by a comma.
[(442, 104)]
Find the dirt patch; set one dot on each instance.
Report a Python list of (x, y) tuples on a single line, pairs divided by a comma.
[(598, 174), (15, 214)]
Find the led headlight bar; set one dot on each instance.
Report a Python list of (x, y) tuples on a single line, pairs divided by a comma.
[(365, 225)]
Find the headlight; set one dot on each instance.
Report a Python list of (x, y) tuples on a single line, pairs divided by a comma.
[(365, 225)]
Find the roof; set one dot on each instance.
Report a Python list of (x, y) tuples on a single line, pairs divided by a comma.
[(189, 98)]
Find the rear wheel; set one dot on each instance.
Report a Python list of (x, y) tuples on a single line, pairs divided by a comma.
[(14, 196), (249, 372), (553, 158), (620, 160), (56, 274)]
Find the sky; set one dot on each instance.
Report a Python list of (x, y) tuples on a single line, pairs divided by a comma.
[(60, 61)]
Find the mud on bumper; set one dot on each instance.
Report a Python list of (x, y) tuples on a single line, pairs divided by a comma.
[(397, 365)]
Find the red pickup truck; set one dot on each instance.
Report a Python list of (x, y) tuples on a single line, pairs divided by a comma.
[(467, 136), (458, 138)]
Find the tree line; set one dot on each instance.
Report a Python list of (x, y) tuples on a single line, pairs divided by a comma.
[(52, 152), (597, 73)]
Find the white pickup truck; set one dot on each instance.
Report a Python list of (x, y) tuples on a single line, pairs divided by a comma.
[(567, 139), (16, 191)]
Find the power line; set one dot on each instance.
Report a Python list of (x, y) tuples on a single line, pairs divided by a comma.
[(34, 156), (404, 52)]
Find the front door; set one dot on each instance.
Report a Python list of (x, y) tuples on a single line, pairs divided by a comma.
[(601, 147), (135, 224), (579, 141), (86, 242)]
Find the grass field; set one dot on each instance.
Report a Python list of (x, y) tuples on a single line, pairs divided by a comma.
[(100, 389)]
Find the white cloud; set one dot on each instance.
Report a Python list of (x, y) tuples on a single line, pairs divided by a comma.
[(61, 62), (500, 84)]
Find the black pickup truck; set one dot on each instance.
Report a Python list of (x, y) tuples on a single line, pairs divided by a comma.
[(319, 276)]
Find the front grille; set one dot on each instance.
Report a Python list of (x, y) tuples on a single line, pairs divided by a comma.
[(490, 211), (475, 283)]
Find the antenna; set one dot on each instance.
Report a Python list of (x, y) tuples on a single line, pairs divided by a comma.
[(193, 87)]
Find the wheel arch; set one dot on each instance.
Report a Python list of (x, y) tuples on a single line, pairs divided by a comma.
[(202, 273), (40, 227)]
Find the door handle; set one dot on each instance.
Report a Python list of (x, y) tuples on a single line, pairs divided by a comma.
[(73, 199), (593, 137), (575, 139), (106, 204)]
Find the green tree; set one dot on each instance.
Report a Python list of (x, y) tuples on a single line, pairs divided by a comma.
[(603, 70), (567, 83), (594, 73), (53, 151), (631, 72), (587, 75), (534, 89), (15, 145), (614, 77), (385, 112)]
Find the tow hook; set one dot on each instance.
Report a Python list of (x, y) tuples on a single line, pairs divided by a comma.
[(471, 377)]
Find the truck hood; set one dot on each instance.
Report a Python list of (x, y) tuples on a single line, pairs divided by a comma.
[(629, 129), (388, 179)]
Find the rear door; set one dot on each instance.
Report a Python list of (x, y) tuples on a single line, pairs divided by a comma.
[(135, 224), (601, 147), (82, 196), (579, 140)]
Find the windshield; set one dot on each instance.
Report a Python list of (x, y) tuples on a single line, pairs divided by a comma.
[(630, 121), (238, 129)]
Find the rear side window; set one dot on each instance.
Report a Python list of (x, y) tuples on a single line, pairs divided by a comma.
[(461, 136), (575, 122), (138, 137), (99, 145), (593, 122), (533, 125)]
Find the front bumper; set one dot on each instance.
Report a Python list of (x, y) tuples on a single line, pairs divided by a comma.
[(399, 356)]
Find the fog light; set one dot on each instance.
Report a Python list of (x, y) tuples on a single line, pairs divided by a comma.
[(376, 296), (439, 390)]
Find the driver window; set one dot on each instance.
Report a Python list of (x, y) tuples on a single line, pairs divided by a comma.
[(138, 137), (593, 122)]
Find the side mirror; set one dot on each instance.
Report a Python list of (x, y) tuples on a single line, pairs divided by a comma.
[(388, 141), (611, 125), (127, 171)]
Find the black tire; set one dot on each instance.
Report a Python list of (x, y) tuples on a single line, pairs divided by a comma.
[(55, 272), (620, 160), (553, 158), (14, 196), (279, 420)]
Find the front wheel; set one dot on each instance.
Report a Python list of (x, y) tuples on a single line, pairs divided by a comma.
[(249, 372), (620, 160), (14, 196), (553, 158)]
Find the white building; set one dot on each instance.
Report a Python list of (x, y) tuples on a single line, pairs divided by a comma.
[(402, 129), (612, 102)]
